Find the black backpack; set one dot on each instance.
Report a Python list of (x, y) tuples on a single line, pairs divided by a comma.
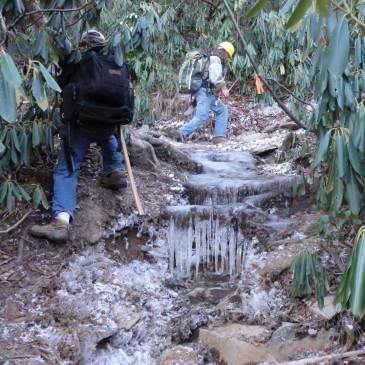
[(98, 94)]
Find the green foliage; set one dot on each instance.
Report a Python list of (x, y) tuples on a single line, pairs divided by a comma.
[(11, 86), (31, 46), (278, 53), (19, 143), (297, 151), (309, 277), (351, 290), (338, 48), (154, 38), (39, 198), (10, 82), (19, 146), (334, 45), (36, 49), (298, 13), (338, 116), (343, 176), (336, 226), (11, 192), (325, 50), (256, 8), (9, 69)]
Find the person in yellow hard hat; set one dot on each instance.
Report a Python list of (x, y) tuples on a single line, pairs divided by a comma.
[(228, 47), (206, 97)]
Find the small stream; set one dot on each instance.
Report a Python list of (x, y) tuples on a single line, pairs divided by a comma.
[(208, 244), (230, 203), (106, 311)]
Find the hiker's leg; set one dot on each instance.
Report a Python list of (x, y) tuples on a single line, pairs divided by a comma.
[(204, 100), (65, 182), (221, 120), (112, 158)]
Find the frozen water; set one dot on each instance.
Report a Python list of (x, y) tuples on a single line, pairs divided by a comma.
[(205, 242), (101, 293), (225, 196)]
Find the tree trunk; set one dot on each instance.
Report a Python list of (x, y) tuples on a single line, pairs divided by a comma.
[(39, 19)]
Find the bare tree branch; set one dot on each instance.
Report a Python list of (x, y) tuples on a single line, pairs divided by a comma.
[(317, 360), (16, 224), (32, 8), (346, 9), (256, 69), (42, 11), (295, 97), (211, 4), (2, 23)]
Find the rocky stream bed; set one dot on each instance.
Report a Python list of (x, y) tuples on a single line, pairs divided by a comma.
[(203, 278)]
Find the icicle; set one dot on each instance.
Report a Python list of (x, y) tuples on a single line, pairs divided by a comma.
[(232, 242), (217, 242), (171, 242), (189, 246), (198, 245)]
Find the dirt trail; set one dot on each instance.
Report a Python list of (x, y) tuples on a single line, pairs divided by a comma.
[(32, 271)]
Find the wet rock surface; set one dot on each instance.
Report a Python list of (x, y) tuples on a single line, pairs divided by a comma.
[(112, 295)]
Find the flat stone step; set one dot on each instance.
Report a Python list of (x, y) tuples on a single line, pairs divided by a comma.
[(210, 189)]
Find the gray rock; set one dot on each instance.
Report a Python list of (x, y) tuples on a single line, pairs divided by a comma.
[(286, 332), (237, 344), (328, 311)]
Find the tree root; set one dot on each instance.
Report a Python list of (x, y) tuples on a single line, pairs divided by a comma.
[(16, 224)]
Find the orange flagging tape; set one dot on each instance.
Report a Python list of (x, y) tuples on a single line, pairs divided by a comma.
[(259, 87)]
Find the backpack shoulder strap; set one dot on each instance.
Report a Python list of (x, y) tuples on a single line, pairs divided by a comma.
[(67, 75), (86, 55), (206, 67)]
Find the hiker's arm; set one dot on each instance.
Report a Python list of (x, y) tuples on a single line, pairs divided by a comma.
[(216, 73), (67, 70), (225, 91)]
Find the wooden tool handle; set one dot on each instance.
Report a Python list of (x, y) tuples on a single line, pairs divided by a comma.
[(130, 175)]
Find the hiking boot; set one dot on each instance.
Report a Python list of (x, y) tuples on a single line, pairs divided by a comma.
[(220, 139), (115, 180), (177, 135), (56, 231)]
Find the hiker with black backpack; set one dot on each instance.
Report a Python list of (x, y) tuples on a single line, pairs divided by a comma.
[(206, 86), (96, 99)]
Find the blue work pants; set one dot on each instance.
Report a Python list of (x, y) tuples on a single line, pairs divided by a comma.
[(65, 182), (206, 102)]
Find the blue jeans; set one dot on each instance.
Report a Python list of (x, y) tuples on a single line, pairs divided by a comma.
[(206, 101), (65, 183)]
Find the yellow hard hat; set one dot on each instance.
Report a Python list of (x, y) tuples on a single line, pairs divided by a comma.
[(228, 47)]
